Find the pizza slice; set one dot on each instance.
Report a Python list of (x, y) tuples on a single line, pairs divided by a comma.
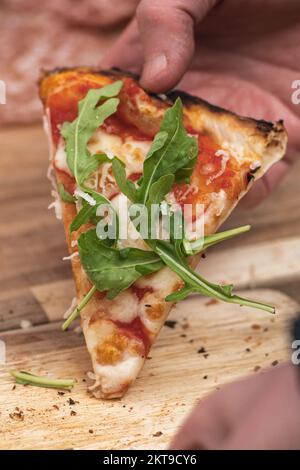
[(113, 146)]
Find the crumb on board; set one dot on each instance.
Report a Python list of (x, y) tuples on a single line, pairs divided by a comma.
[(256, 368), (157, 434), (60, 393), (211, 302), (185, 326), (248, 350), (255, 326), (91, 431), (73, 413), (205, 355), (274, 363), (170, 323), (17, 415), (71, 401), (201, 350), (183, 335), (205, 377), (56, 407)]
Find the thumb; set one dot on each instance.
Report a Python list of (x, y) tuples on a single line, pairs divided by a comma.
[(167, 36)]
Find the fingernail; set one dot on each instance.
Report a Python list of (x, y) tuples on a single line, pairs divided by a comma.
[(154, 66)]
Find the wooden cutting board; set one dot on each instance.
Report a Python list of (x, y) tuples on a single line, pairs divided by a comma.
[(36, 286)]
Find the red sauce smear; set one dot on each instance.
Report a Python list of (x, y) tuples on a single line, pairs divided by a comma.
[(67, 180), (141, 291), (134, 176), (136, 329), (116, 125)]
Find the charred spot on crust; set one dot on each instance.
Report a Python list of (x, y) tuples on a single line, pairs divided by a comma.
[(264, 126), (250, 176), (116, 71)]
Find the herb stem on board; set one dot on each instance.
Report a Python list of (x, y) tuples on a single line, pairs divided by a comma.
[(26, 378), (77, 310)]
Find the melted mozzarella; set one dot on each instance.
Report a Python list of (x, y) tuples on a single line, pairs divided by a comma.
[(219, 200), (236, 150), (132, 152), (124, 308), (115, 376), (162, 282), (60, 158), (47, 130), (151, 322), (129, 236)]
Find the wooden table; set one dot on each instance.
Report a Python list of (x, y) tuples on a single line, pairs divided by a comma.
[(36, 286)]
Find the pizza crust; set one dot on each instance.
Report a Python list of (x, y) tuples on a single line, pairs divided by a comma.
[(117, 355)]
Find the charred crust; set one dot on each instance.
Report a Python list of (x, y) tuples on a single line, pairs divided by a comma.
[(262, 126), (188, 99), (115, 71)]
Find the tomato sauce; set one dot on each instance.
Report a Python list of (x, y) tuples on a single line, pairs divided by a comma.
[(136, 329)]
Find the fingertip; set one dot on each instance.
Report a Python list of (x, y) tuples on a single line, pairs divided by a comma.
[(155, 74)]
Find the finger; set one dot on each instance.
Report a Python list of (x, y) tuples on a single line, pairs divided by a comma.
[(126, 53), (167, 36), (204, 427), (274, 422), (213, 419)]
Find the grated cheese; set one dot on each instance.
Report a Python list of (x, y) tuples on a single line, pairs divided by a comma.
[(73, 255), (70, 309), (224, 160), (56, 204), (24, 324), (60, 158), (255, 165), (87, 197), (105, 176)]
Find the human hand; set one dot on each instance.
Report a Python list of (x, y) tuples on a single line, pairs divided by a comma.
[(239, 55), (260, 412)]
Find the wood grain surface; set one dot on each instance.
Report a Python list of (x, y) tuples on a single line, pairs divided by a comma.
[(36, 285)]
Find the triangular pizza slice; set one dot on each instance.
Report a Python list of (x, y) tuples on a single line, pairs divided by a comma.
[(102, 128)]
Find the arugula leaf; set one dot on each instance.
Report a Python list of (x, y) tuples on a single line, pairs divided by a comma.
[(160, 189), (88, 213), (93, 164), (195, 283), (78, 133), (173, 152), (64, 194), (114, 270), (126, 185)]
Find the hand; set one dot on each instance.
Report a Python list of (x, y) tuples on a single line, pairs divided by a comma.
[(239, 55), (98, 13), (260, 412)]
